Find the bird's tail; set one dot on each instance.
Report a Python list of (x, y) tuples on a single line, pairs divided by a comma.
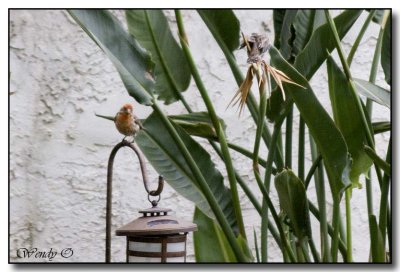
[(112, 118)]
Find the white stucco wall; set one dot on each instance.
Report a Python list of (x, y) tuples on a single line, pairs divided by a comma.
[(59, 150)]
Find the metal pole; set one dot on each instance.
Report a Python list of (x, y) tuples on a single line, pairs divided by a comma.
[(143, 169)]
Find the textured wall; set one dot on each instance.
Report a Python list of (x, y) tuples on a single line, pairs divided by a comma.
[(59, 149)]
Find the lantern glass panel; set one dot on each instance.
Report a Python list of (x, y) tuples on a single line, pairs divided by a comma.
[(135, 259), (176, 260), (145, 247), (176, 247)]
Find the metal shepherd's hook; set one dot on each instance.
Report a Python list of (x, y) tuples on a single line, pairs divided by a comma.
[(143, 169)]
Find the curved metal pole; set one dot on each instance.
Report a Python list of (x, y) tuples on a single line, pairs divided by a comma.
[(143, 169)]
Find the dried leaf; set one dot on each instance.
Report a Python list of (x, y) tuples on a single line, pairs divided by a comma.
[(245, 43), (278, 81), (285, 78), (242, 93)]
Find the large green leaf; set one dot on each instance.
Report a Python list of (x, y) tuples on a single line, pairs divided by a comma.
[(210, 243), (348, 120), (386, 51), (303, 25), (275, 105), (278, 16), (287, 37), (132, 62), (322, 42), (163, 153), (328, 138), (319, 18), (197, 124), (224, 26), (373, 92), (293, 201), (150, 28)]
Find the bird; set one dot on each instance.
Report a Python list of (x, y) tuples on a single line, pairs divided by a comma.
[(257, 45), (126, 122)]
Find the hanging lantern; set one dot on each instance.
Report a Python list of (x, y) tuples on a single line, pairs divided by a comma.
[(156, 236)]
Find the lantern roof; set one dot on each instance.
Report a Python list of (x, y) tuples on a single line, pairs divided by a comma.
[(155, 221)]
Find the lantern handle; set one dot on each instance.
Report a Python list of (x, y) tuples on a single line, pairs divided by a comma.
[(143, 169)]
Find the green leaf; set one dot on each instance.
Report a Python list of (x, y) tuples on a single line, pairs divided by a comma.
[(303, 25), (380, 162), (278, 16), (386, 51), (163, 153), (275, 105), (210, 243), (245, 248), (319, 18), (377, 16), (373, 92), (198, 124), (293, 201), (377, 241), (224, 26), (322, 42), (287, 37), (133, 63), (380, 127), (344, 106), (256, 246), (150, 28), (328, 138)]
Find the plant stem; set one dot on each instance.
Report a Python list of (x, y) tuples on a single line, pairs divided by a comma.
[(267, 203), (314, 251), (203, 185), (378, 161), (267, 180), (256, 246), (300, 255), (348, 225), (311, 172), (301, 149), (383, 209), (249, 154), (372, 79), (320, 190), (359, 37), (342, 231), (251, 197), (288, 142), (335, 225), (306, 255), (217, 126), (260, 125), (342, 246), (285, 243)]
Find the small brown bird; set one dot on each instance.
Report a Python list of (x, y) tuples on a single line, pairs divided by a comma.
[(126, 122), (257, 45)]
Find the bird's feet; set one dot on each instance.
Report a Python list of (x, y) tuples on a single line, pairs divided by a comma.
[(131, 139)]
